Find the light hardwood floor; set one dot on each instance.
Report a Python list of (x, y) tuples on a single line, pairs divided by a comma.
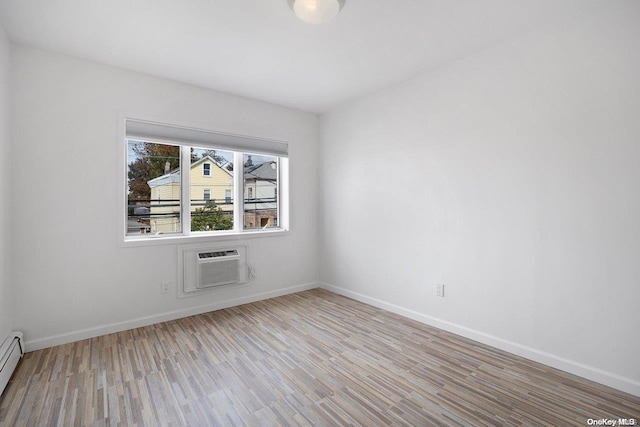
[(312, 358)]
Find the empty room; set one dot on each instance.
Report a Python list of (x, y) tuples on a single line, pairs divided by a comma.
[(319, 213)]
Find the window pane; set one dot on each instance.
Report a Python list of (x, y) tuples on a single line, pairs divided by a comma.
[(260, 191), (211, 170), (153, 180)]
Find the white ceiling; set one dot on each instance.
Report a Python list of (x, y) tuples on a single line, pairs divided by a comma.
[(259, 49)]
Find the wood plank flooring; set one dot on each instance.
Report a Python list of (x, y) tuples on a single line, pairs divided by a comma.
[(308, 359)]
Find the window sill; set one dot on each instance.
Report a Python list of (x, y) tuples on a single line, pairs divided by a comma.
[(200, 238)]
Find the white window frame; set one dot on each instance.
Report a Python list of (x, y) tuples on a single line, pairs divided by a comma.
[(206, 192), (205, 169), (224, 142)]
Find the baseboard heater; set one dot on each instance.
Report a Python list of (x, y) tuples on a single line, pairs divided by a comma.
[(10, 354)]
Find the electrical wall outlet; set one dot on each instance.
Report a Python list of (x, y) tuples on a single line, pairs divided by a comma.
[(164, 287), (440, 290)]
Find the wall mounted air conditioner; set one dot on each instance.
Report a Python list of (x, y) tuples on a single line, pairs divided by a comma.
[(11, 352), (203, 269), (218, 268)]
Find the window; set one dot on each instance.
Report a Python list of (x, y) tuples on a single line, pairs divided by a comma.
[(261, 184), (233, 184), (210, 213), (153, 168)]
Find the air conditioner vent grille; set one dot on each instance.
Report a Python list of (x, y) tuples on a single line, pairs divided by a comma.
[(218, 273), (205, 255)]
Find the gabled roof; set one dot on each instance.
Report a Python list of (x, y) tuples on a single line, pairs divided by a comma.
[(169, 178), (174, 175), (212, 160), (267, 171)]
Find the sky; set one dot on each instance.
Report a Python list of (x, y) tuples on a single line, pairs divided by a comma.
[(227, 155)]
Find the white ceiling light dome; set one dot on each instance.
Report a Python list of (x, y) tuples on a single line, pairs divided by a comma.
[(316, 11)]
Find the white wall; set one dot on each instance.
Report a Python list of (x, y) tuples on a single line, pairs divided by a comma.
[(70, 277), (5, 193), (512, 177)]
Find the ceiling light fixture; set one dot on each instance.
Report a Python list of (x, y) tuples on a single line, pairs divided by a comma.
[(316, 11)]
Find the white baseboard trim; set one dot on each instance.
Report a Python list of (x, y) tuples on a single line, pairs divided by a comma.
[(97, 331), (594, 374)]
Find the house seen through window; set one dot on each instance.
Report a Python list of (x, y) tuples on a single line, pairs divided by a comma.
[(213, 211), (260, 184), (156, 177)]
